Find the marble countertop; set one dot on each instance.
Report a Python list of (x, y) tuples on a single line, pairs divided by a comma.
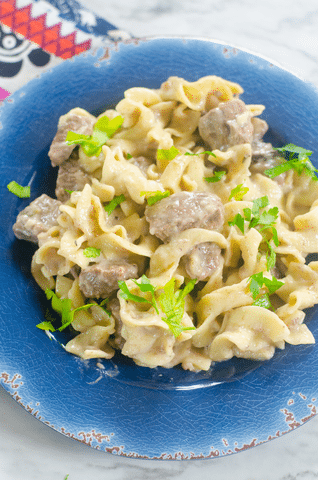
[(287, 32)]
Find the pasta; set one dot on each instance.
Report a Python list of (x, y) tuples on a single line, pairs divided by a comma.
[(176, 206)]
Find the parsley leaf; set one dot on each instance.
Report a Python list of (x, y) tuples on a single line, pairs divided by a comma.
[(172, 303), (110, 207), (202, 153), (297, 159), (216, 177), (64, 308), (256, 283), (167, 154), (264, 222), (91, 252), (144, 286), (47, 325), (259, 203), (263, 301), (103, 304), (238, 221), (19, 190), (103, 130), (154, 197), (271, 257), (238, 192)]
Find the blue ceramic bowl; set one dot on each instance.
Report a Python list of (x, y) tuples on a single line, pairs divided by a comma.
[(116, 406)]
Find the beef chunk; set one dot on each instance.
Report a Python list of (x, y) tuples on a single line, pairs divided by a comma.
[(101, 279), (36, 218), (182, 211), (227, 125), (202, 260), (70, 177), (78, 121)]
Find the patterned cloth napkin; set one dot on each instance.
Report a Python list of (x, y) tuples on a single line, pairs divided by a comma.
[(38, 34)]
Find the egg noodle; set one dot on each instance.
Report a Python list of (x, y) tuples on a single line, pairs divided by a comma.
[(254, 297)]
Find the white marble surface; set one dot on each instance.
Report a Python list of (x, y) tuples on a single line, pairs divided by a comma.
[(287, 32)]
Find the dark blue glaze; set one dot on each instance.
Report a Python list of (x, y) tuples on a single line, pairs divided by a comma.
[(123, 408)]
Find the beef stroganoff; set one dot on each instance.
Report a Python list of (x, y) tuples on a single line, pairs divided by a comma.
[(177, 235)]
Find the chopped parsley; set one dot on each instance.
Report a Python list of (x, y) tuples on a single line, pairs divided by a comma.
[(103, 304), (167, 154), (91, 252), (154, 197), (172, 302), (238, 221), (103, 130), (208, 152), (238, 192), (144, 286), (19, 190), (110, 207), (296, 159), (64, 308), (216, 177), (257, 281), (263, 221)]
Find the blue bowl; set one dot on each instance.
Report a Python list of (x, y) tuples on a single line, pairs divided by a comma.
[(115, 405)]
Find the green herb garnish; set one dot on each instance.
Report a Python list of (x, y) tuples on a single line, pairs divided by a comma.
[(167, 154), (216, 177), (257, 281), (271, 256), (103, 130), (64, 308), (144, 286), (110, 207), (297, 159), (238, 192), (171, 153), (263, 221), (91, 252), (172, 303), (103, 304), (201, 153), (238, 221), (154, 197), (19, 190)]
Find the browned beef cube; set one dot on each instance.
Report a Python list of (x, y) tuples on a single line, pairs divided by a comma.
[(71, 177), (101, 279), (227, 125), (36, 218), (78, 121), (182, 211)]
